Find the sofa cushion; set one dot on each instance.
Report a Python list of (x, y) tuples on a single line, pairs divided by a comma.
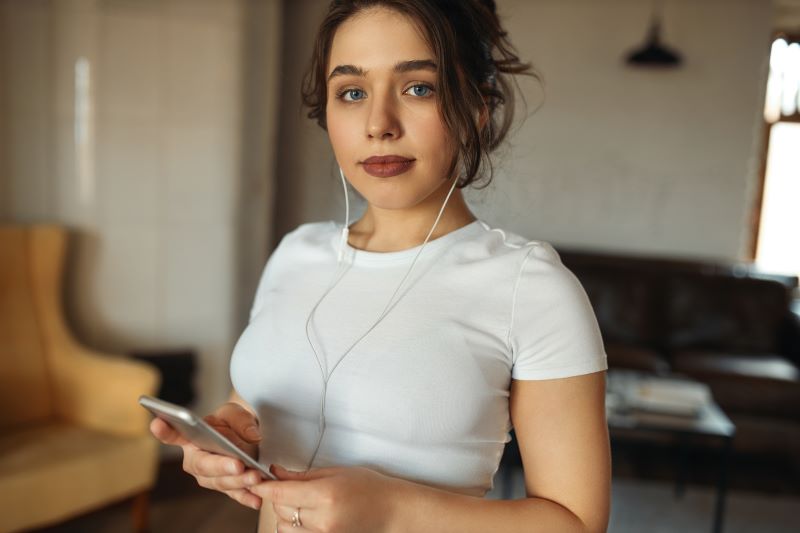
[(636, 358), (70, 470), (623, 304), (755, 384), (725, 313)]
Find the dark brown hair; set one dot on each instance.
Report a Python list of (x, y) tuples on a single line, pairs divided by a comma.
[(466, 33)]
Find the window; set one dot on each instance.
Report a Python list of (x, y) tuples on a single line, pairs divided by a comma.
[(776, 243)]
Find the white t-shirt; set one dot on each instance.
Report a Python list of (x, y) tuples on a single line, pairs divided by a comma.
[(424, 396)]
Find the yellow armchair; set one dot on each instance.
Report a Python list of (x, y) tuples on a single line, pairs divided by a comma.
[(72, 435)]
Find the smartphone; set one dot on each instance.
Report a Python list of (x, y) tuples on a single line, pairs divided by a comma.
[(202, 435)]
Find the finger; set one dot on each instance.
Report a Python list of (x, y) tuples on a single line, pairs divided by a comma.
[(215, 421), (283, 474), (285, 517), (165, 433), (234, 437), (287, 527), (245, 497), (288, 493), (284, 512), (223, 483), (240, 420), (209, 464)]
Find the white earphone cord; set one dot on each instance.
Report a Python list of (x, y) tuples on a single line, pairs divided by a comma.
[(337, 278)]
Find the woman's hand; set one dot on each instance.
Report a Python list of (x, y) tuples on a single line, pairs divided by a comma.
[(351, 499), (214, 471)]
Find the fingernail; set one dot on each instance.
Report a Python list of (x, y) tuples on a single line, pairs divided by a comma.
[(251, 432), (233, 468)]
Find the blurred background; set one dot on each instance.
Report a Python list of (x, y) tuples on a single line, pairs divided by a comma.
[(154, 152)]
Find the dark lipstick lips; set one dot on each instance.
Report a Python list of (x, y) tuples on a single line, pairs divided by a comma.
[(387, 166)]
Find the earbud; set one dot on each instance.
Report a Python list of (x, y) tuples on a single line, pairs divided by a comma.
[(346, 229)]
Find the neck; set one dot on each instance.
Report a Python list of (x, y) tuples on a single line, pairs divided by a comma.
[(392, 230)]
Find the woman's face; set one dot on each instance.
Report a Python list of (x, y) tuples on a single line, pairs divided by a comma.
[(382, 115)]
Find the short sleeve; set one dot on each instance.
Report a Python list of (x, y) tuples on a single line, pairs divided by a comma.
[(553, 331)]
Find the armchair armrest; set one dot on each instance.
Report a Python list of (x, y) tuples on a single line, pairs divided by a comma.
[(101, 391)]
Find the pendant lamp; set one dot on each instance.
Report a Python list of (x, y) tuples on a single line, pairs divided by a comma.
[(653, 54)]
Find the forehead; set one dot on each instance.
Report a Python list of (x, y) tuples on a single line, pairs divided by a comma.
[(377, 38)]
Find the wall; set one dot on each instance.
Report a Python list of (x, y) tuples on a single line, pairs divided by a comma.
[(148, 128), (614, 159), (308, 183), (787, 15), (169, 182)]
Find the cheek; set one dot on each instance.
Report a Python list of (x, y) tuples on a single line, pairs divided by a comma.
[(343, 136), (432, 137)]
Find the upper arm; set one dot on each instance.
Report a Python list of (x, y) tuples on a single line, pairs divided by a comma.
[(562, 434)]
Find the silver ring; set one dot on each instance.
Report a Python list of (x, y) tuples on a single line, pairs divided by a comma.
[(296, 518)]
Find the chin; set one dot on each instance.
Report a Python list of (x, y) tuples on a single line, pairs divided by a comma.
[(397, 195), (400, 192), (391, 203)]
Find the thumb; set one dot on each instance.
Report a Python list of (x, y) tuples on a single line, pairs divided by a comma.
[(240, 420), (290, 475), (287, 475), (165, 433)]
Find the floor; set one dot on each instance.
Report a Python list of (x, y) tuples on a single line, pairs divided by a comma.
[(764, 498), (651, 506)]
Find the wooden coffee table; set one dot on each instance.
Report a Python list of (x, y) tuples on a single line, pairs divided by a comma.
[(710, 423)]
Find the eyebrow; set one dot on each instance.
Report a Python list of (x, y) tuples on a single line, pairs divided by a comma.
[(401, 67)]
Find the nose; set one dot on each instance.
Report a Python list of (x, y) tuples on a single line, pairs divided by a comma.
[(383, 122)]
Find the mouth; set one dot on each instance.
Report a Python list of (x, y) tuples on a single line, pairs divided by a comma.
[(386, 166)]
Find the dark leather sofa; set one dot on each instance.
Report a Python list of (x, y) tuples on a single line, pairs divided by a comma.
[(727, 325)]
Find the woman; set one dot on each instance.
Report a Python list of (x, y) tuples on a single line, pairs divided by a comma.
[(385, 362)]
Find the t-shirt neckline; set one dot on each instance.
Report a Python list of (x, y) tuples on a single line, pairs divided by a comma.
[(363, 257)]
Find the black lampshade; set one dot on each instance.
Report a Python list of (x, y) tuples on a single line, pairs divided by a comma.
[(653, 54)]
